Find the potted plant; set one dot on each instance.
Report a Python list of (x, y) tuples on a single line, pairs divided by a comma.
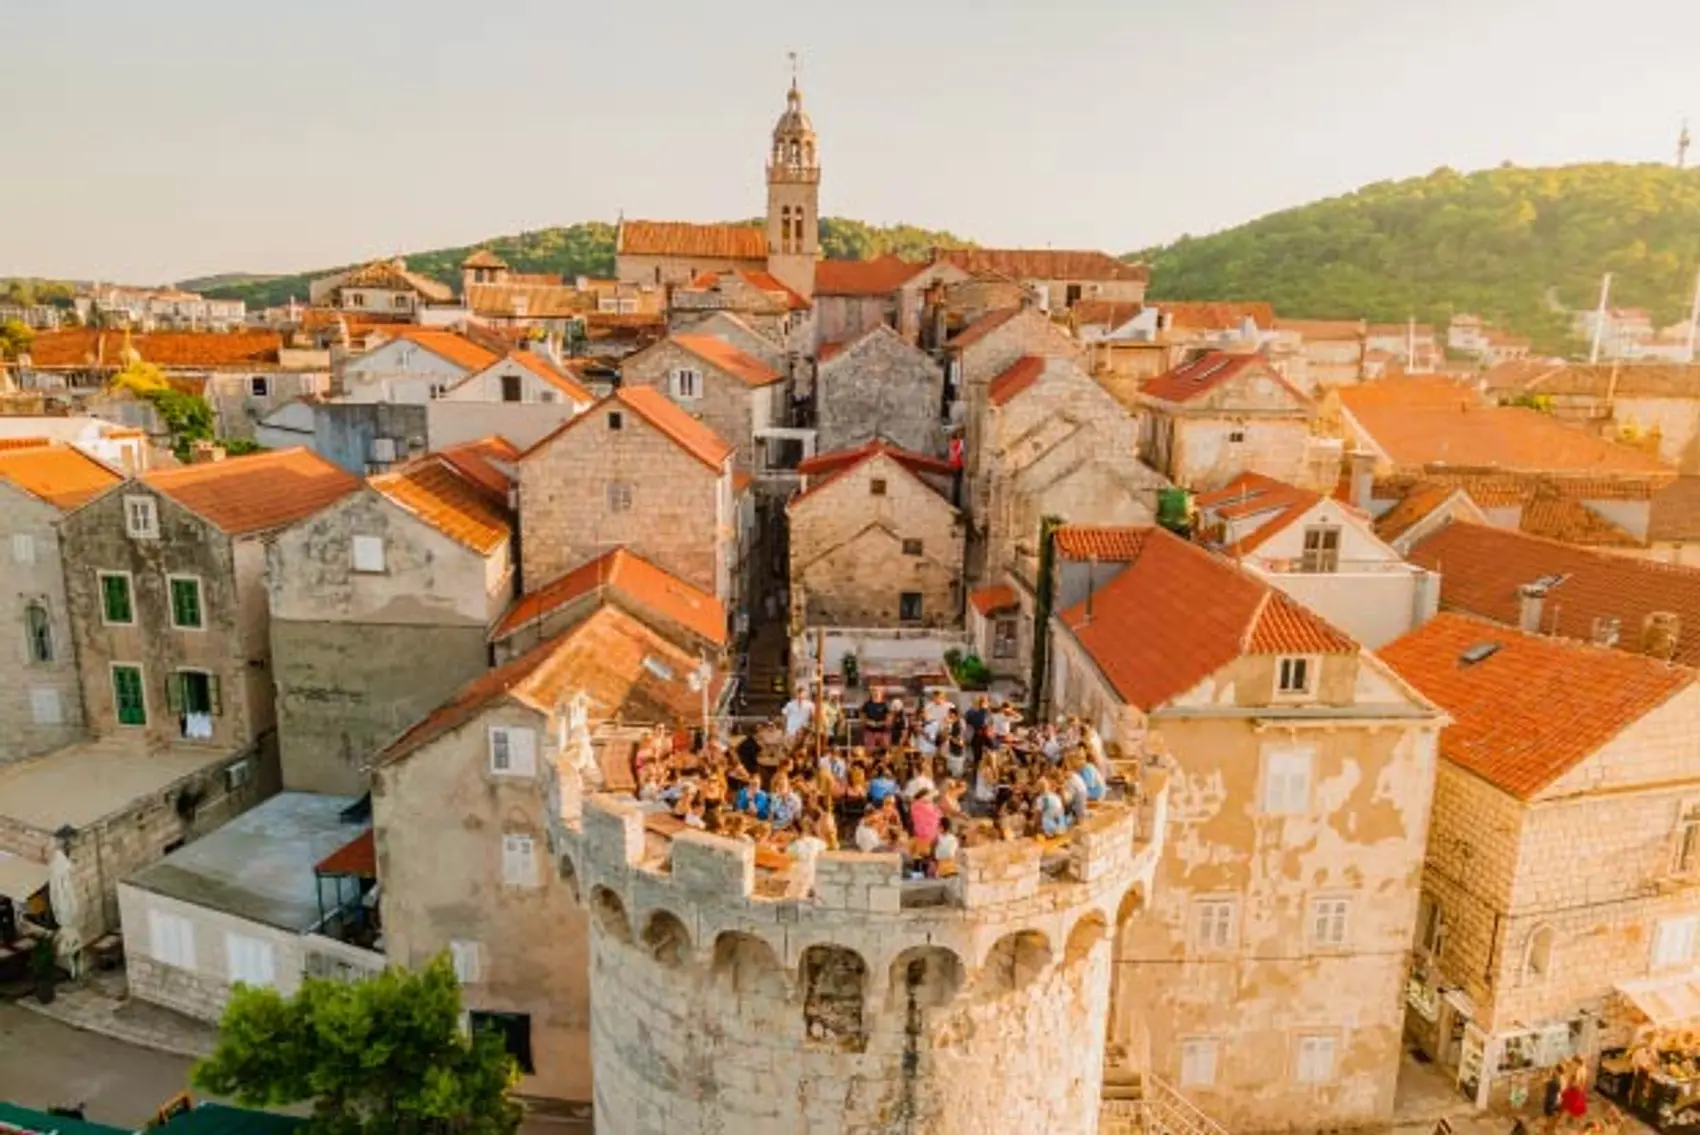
[(851, 667), (45, 966)]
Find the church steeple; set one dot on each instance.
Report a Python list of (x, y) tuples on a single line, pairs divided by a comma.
[(793, 196)]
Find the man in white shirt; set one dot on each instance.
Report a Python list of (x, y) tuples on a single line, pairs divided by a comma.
[(799, 713)]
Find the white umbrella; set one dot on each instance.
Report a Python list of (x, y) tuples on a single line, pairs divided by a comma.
[(62, 894)]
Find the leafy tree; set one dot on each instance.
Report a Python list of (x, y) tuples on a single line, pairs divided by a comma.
[(189, 417), (384, 1056), (15, 338)]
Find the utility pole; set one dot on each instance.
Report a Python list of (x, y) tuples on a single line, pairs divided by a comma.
[(1600, 318), (1694, 317), (1683, 141)]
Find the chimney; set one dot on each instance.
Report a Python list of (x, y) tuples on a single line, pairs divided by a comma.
[(205, 452), (1362, 464), (1530, 598), (1425, 598), (1660, 634)]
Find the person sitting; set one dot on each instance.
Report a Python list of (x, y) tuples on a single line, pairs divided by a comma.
[(1096, 788), (882, 786), (693, 815), (870, 834), (876, 720), (920, 782), (948, 843), (1075, 793), (924, 818), (808, 845), (752, 800), (784, 805), (1053, 818)]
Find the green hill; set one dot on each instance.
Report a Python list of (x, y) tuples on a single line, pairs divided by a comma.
[(571, 250), (1503, 243)]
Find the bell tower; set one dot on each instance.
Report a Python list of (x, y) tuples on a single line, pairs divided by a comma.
[(793, 197)]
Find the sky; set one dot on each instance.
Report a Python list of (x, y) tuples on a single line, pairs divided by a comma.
[(152, 142)]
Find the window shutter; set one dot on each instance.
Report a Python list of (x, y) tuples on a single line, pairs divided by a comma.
[(501, 750), (215, 696), (174, 693), (522, 751)]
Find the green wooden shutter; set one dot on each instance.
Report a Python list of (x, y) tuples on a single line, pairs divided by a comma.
[(174, 693), (115, 595), (215, 696), (186, 602), (127, 693)]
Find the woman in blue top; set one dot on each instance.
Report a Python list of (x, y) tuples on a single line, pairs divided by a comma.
[(882, 785)]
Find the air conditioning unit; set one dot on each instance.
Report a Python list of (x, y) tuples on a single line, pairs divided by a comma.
[(383, 450), (237, 775)]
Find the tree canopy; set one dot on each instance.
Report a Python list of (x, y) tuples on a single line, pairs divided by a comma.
[(1512, 245), (383, 1056), (15, 338)]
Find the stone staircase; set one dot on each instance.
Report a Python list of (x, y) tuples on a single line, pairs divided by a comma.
[(1136, 1103)]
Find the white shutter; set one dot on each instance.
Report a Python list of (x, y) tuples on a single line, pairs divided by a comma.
[(249, 960), (171, 939), (519, 863), (522, 752), (1286, 780), (1328, 921), (1674, 941), (44, 706), (368, 553), (468, 961), (1316, 1060), (23, 548), (1198, 1062)]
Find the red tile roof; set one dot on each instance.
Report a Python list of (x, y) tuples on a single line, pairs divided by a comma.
[(991, 600), (1317, 330), (62, 476), (983, 327), (1210, 315), (358, 858), (1024, 372), (828, 351), (719, 353), (678, 238), (880, 276), (450, 345), (824, 469), (171, 349), (244, 495), (482, 461), (1206, 373), (1106, 545), (1275, 505), (1044, 264), (1103, 313), (1481, 569), (1676, 511), (441, 496), (1177, 614), (545, 370), (628, 577), (1534, 707), (764, 282), (655, 408), (1413, 508)]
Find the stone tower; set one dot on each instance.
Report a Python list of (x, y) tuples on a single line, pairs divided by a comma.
[(793, 198), (853, 1001)]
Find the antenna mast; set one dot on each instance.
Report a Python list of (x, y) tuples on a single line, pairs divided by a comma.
[(1683, 141), (1694, 317), (1600, 318)]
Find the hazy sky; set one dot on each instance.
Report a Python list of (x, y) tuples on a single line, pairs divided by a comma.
[(153, 141)]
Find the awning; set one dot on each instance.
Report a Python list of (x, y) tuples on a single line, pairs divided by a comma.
[(1665, 1001), (21, 878)]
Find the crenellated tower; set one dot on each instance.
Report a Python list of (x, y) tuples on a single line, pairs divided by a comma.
[(793, 198)]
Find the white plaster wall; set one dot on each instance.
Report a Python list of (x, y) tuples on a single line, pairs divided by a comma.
[(522, 423), (202, 991), (398, 371)]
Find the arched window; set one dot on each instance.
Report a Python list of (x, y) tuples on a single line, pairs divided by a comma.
[(796, 154), (39, 629), (785, 228), (1537, 956)]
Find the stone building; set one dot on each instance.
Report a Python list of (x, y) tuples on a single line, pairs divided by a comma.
[(1057, 279), (730, 327), (462, 807), (757, 298), (671, 254), (633, 471), (878, 386), (1266, 981), (1559, 908), (382, 287), (41, 693), (416, 366), (166, 584), (732, 393), (493, 294), (416, 565), (853, 297), (1327, 352), (1220, 415), (875, 541), (521, 376)]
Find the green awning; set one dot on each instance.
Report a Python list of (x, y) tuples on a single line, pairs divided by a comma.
[(22, 1119), (219, 1119)]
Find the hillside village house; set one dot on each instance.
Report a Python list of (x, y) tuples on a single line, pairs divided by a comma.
[(1330, 352), (878, 386), (634, 471), (461, 796), (417, 564), (1636, 402), (1207, 421), (672, 253), (383, 287), (729, 327), (520, 376), (163, 309), (1133, 342), (495, 295), (1414, 346), (416, 366), (41, 693), (1558, 913), (875, 541), (853, 297), (117, 447), (757, 298), (1058, 279), (732, 393), (1322, 552), (1265, 984)]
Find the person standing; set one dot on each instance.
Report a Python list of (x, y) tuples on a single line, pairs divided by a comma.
[(876, 721), (799, 713)]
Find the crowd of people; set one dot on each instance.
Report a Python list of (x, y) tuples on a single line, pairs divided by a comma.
[(922, 782)]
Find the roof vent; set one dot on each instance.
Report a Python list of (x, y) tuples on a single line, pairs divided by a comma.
[(1478, 653)]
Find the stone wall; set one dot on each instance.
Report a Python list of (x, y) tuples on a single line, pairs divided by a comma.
[(1206, 456), (880, 387), (728, 404), (203, 990), (41, 703), (839, 319)]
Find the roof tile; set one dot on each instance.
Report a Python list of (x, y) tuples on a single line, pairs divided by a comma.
[(679, 238), (994, 599), (877, 277), (659, 411), (1207, 372), (1024, 372), (1044, 264), (983, 327), (62, 476), (170, 349), (624, 575), (244, 495), (438, 494), (1276, 504), (718, 352)]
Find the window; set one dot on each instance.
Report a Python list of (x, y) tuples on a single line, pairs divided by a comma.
[(368, 553), (185, 602), (1314, 1063), (909, 606), (512, 388), (616, 420), (519, 860), (44, 706), (876, 487), (171, 939), (1688, 840), (401, 303), (619, 496), (38, 629), (1295, 676), (23, 548), (141, 518), (466, 957), (250, 960), (1674, 941), (912, 547), (127, 695), (547, 396), (1213, 924), (1328, 921), (1322, 550), (686, 383), (513, 751), (1236, 437), (1198, 1062), (194, 697), (1071, 294), (1286, 780), (1431, 925), (355, 299), (1537, 956), (438, 389), (259, 386), (515, 1031), (1003, 638)]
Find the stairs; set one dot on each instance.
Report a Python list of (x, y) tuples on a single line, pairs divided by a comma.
[(1135, 1103)]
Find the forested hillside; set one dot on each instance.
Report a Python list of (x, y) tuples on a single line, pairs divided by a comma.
[(1504, 243)]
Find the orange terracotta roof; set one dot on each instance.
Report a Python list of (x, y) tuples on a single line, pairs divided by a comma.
[(982, 327), (718, 352), (1534, 707), (1481, 569), (828, 351), (24, 442), (1211, 315), (244, 495), (170, 349), (528, 299), (1103, 313), (1044, 264), (678, 238), (62, 476), (1413, 508), (481, 463), (1316, 330), (1506, 437), (877, 277), (1206, 373), (483, 258), (1274, 505), (542, 368), (1676, 511), (771, 284), (632, 580), (450, 345), (1106, 545), (991, 600), (1177, 614), (827, 468), (1568, 519), (626, 670), (394, 275), (358, 858), (659, 411), (1024, 372), (741, 482), (435, 492)]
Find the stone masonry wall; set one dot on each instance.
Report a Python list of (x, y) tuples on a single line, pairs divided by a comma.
[(726, 405), (41, 703), (880, 387)]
